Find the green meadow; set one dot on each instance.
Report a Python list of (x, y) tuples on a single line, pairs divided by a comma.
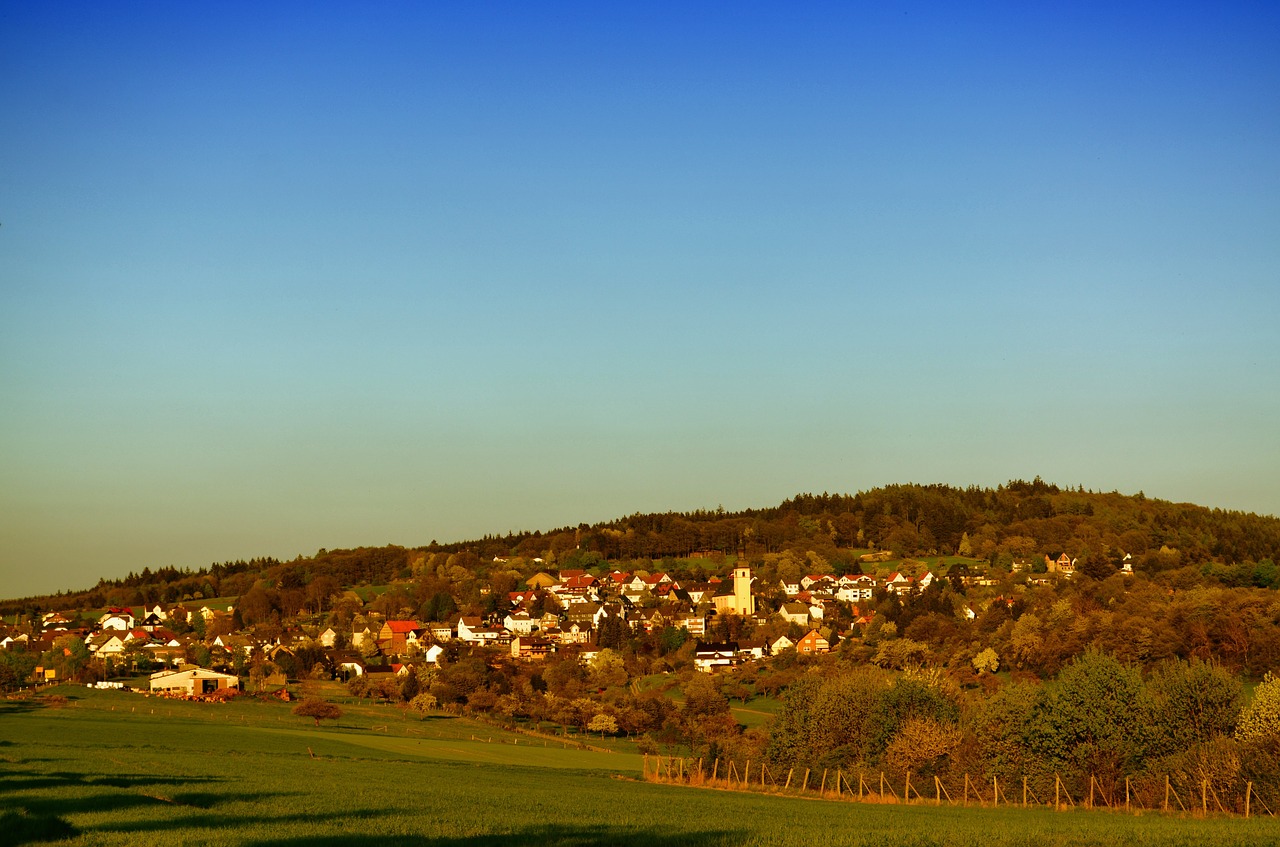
[(114, 768)]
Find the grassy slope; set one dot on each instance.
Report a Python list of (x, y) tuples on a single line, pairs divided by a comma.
[(241, 774)]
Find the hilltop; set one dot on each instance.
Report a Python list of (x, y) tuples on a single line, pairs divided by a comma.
[(921, 630), (1017, 522)]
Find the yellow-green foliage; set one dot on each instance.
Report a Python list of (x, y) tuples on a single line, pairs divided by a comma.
[(1260, 722)]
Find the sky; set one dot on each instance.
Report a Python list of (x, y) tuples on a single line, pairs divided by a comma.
[(277, 277)]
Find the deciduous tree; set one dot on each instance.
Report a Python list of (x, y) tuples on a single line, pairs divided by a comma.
[(317, 709)]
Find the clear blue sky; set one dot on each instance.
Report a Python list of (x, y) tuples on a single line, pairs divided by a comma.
[(276, 277)]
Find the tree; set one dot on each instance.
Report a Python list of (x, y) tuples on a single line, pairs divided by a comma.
[(987, 661), (921, 742), (15, 669), (602, 724), (702, 697), (1260, 722), (1192, 702), (607, 669), (901, 653), (1094, 719), (320, 589), (314, 707)]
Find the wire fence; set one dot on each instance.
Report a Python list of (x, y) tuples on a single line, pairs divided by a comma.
[(1166, 793)]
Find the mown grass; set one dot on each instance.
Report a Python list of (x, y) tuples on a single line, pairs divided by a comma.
[(204, 774), (757, 711)]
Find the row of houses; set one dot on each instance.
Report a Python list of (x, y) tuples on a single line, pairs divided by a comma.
[(717, 655), (573, 586)]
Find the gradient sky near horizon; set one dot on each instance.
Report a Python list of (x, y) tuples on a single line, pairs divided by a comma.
[(283, 276)]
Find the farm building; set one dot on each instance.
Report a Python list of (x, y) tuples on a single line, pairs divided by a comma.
[(192, 681)]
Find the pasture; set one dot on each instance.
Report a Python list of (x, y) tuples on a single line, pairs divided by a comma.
[(114, 768)]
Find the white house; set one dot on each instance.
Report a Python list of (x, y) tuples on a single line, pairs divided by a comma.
[(708, 657), (472, 630), (518, 623), (852, 589), (117, 619), (797, 613)]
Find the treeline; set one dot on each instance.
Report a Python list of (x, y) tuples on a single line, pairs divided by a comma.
[(1099, 723), (1018, 521), (1015, 521)]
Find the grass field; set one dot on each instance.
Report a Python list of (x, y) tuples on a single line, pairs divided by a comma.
[(114, 768)]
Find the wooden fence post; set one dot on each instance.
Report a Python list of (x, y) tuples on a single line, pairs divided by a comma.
[(965, 801), (942, 791), (823, 789), (805, 786), (1204, 796), (1166, 792), (1057, 785), (1024, 792), (746, 774), (1248, 789), (789, 773), (839, 775)]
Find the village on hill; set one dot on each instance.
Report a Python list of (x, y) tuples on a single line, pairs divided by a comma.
[(924, 666), (197, 648)]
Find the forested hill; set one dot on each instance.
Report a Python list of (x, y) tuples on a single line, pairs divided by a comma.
[(1018, 521)]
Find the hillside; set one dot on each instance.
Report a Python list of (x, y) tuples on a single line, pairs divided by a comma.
[(1017, 521)]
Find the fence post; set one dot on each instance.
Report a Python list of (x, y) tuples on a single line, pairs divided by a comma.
[(1089, 804), (937, 791), (746, 774), (1057, 785), (805, 786), (1204, 796), (965, 801), (1126, 793), (839, 775), (1248, 789), (906, 792), (789, 773), (645, 770), (823, 788), (1024, 792), (715, 768), (1166, 792)]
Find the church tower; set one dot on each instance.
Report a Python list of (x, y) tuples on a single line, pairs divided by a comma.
[(743, 602)]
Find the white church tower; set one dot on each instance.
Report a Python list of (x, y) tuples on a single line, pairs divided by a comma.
[(743, 602)]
